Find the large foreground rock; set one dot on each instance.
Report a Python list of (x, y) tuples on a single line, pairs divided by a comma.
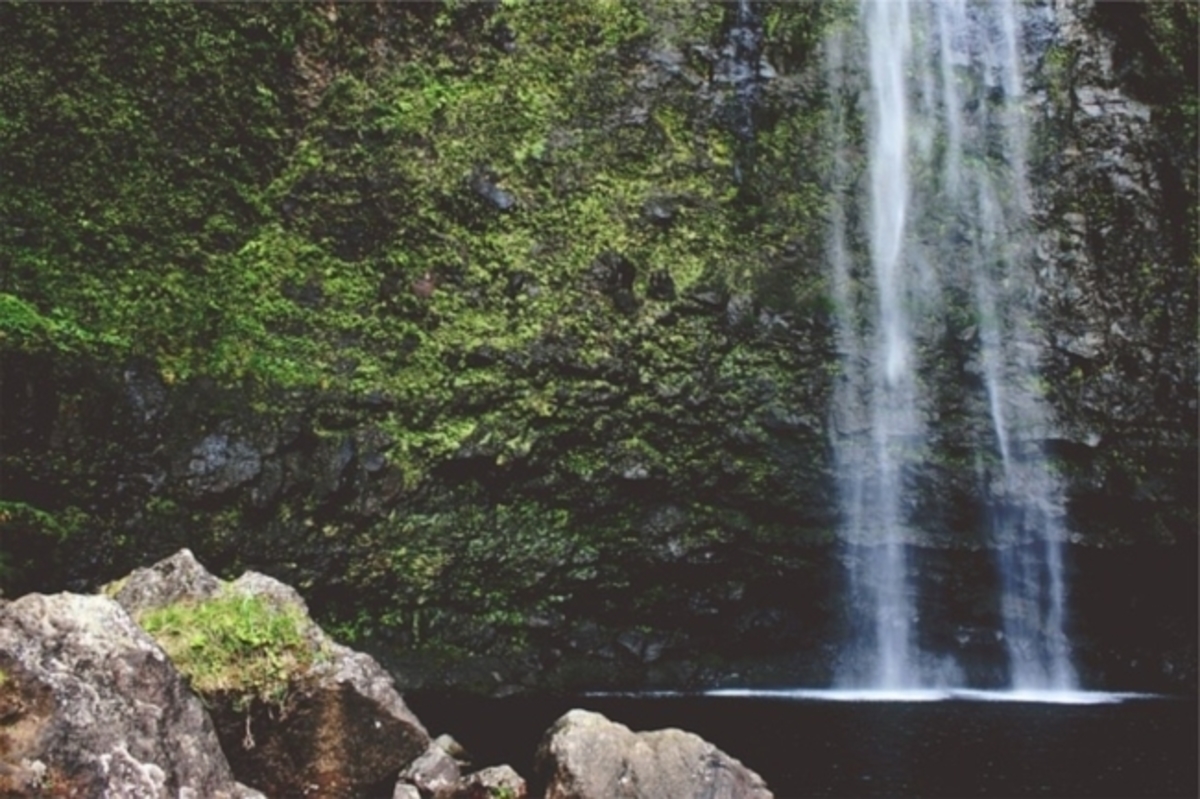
[(90, 706), (341, 731), (586, 756)]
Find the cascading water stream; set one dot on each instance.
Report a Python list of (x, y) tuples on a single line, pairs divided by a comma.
[(945, 230)]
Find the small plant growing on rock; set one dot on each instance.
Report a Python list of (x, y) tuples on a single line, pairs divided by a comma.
[(242, 645)]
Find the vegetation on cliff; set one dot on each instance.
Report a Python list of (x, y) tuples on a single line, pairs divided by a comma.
[(506, 263), (257, 192)]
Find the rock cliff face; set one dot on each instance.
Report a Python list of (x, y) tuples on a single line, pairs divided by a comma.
[(572, 428), (1116, 211), (1117, 265)]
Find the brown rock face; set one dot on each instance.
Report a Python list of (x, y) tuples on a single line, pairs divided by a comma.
[(342, 731), (330, 741), (90, 706), (586, 756)]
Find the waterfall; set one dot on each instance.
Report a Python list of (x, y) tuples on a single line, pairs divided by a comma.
[(740, 68), (940, 241)]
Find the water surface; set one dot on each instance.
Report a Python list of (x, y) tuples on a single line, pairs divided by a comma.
[(808, 745)]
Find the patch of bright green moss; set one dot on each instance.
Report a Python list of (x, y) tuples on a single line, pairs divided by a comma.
[(242, 645)]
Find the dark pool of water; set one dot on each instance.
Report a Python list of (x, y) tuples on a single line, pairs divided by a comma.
[(816, 748)]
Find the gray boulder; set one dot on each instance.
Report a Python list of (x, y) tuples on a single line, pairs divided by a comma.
[(342, 730), (178, 577), (453, 748), (435, 772), (490, 783), (586, 756), (91, 706)]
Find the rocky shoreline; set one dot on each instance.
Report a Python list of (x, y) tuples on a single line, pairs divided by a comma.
[(92, 704)]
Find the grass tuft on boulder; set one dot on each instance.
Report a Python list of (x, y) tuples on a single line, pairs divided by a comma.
[(235, 644)]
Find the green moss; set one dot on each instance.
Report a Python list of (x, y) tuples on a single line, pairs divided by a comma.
[(236, 645), (279, 248)]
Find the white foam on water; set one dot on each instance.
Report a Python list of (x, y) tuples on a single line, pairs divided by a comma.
[(1048, 697), (837, 694), (1054, 697), (933, 695)]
